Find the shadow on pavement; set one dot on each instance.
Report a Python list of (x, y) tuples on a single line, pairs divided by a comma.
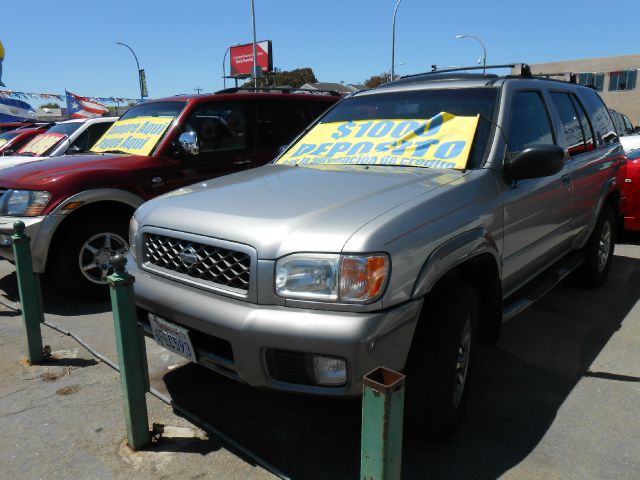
[(518, 388), (54, 302)]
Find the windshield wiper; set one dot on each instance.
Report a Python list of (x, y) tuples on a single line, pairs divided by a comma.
[(112, 151)]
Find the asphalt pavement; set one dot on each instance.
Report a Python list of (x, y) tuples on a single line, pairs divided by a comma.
[(558, 397)]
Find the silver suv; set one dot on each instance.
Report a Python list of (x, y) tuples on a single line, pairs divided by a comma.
[(404, 225)]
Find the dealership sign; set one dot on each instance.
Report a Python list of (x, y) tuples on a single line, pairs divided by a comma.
[(242, 58)]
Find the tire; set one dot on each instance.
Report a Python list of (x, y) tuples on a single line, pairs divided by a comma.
[(441, 361), (598, 251), (93, 242)]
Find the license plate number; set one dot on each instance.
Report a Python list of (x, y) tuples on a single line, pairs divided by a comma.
[(172, 337)]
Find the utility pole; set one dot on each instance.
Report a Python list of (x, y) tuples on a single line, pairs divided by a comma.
[(198, 89)]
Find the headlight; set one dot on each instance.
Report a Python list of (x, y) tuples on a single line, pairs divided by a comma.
[(26, 203), (133, 234), (331, 277)]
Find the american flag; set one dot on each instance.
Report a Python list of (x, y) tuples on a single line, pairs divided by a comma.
[(82, 107)]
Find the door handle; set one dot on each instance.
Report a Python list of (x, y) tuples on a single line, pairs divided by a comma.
[(566, 179), (242, 162)]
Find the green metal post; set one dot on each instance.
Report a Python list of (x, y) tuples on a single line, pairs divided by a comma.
[(132, 356), (29, 288), (382, 417)]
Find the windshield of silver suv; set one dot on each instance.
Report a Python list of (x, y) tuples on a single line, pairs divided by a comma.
[(444, 128)]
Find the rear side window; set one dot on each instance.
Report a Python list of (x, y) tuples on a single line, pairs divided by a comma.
[(600, 118), (577, 132), (530, 123), (277, 124)]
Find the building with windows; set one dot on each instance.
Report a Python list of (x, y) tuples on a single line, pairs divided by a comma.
[(616, 78)]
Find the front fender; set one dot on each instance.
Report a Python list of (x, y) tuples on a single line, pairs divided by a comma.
[(453, 253), (99, 195)]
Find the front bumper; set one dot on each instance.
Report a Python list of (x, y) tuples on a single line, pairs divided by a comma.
[(364, 340), (39, 229)]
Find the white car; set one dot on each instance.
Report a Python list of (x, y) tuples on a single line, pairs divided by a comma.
[(630, 142), (64, 138)]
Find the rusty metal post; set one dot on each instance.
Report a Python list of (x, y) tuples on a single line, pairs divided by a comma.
[(132, 355), (30, 294), (382, 418)]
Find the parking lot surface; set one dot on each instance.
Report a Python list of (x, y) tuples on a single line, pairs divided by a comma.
[(559, 397)]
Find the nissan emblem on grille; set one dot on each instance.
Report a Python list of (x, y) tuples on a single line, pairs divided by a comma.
[(198, 261), (188, 256)]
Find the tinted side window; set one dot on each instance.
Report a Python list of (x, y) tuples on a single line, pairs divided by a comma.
[(81, 142), (587, 130), (318, 108), (529, 122), (219, 127), (278, 124), (96, 131), (573, 135), (600, 118)]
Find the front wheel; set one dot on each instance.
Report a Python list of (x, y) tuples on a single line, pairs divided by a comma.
[(441, 360), (82, 259)]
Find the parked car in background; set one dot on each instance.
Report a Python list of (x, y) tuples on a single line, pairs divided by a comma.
[(622, 123), (402, 227), (64, 138), (629, 136), (631, 191), (8, 126), (77, 207), (14, 139), (630, 142)]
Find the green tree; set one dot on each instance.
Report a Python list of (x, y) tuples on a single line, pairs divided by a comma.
[(376, 80), (293, 78), (50, 105)]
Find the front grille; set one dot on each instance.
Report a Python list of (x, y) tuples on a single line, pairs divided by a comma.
[(291, 367), (217, 265)]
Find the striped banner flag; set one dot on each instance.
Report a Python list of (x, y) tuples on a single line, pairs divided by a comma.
[(82, 107)]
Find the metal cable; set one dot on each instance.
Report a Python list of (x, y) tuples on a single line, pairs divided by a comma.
[(192, 417)]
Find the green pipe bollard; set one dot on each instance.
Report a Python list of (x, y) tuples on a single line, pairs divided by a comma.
[(132, 355), (30, 295), (382, 418)]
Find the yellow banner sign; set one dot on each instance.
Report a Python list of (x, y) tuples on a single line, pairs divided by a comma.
[(443, 141), (135, 135), (41, 143)]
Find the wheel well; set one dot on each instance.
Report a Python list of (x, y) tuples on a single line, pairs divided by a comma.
[(89, 211), (482, 273), (613, 199)]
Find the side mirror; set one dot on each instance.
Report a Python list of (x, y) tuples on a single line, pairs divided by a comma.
[(536, 162), (188, 142), (74, 149)]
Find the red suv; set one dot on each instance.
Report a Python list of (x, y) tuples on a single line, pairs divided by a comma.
[(77, 208)]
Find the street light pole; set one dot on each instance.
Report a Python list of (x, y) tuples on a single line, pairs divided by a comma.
[(137, 64), (484, 50), (224, 60), (393, 40), (254, 73)]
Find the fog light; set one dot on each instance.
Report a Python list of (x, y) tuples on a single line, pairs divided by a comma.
[(329, 370), (5, 240)]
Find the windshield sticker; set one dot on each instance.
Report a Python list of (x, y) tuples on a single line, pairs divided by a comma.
[(134, 135), (3, 141), (41, 143), (443, 141)]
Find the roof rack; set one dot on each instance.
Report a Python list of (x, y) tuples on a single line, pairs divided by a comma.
[(525, 70), (276, 89)]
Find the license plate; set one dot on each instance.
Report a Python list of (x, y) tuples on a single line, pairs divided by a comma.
[(172, 337)]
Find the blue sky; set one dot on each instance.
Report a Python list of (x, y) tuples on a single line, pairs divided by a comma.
[(69, 43)]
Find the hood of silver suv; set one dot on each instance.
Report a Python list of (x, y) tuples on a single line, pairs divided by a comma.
[(282, 209)]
